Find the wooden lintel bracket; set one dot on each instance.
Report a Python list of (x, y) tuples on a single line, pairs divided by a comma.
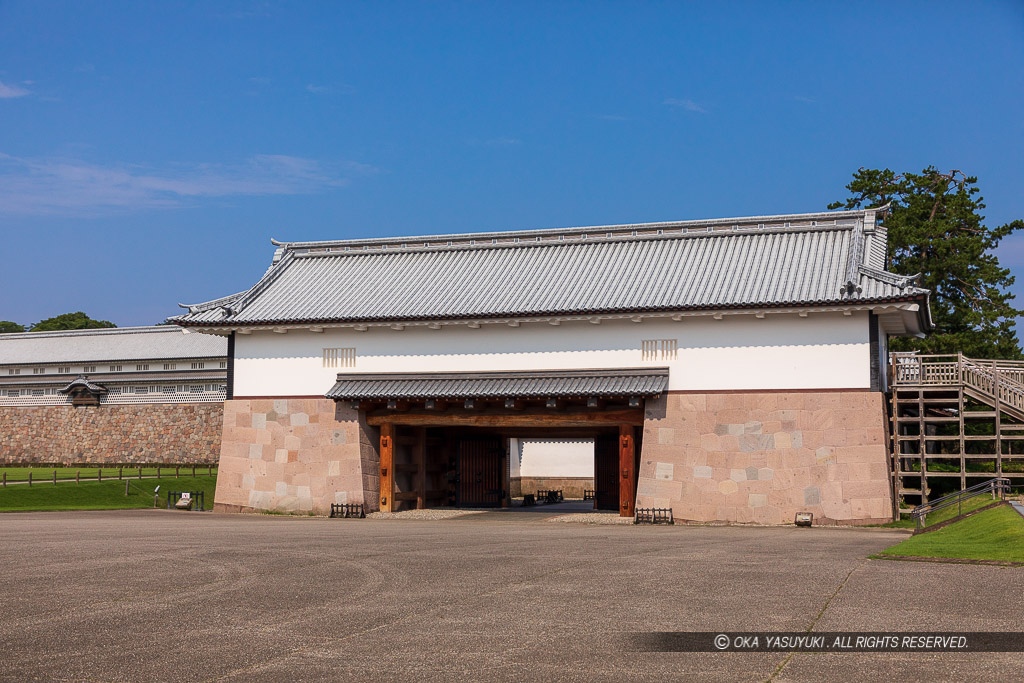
[(514, 404), (398, 404), (434, 404)]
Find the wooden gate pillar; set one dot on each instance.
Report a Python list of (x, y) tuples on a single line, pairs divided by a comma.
[(387, 466), (627, 471)]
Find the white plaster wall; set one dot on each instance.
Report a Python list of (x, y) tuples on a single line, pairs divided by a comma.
[(821, 351), (551, 458)]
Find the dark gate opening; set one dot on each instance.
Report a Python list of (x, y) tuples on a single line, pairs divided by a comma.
[(470, 466), (480, 481)]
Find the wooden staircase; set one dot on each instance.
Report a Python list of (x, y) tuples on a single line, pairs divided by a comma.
[(954, 417)]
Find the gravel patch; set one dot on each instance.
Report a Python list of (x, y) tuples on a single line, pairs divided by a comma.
[(593, 518), (433, 514)]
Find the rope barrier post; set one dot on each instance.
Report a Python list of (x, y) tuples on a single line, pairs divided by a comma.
[(30, 477), (140, 473), (78, 473), (120, 473), (126, 482), (5, 480), (55, 477), (99, 474), (177, 471)]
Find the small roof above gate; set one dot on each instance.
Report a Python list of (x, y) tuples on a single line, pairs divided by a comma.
[(535, 384)]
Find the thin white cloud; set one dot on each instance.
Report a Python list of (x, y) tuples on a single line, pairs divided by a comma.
[(687, 104), (318, 89), (612, 117), (805, 99), (494, 142), (11, 91), (75, 187)]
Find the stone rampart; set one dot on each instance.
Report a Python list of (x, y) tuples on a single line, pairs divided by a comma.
[(173, 433)]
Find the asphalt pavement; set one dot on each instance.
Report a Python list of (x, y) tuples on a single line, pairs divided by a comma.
[(161, 595)]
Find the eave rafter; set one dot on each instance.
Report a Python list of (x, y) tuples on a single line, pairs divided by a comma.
[(887, 308)]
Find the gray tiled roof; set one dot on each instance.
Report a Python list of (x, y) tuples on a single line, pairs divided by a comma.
[(108, 345), (84, 382), (762, 261), (533, 384)]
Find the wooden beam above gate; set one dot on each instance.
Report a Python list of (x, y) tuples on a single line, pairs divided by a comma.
[(502, 418)]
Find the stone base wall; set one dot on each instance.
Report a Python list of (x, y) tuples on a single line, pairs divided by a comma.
[(185, 433), (572, 487), (763, 457), (296, 455)]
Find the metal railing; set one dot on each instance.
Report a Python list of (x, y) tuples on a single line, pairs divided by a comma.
[(997, 487)]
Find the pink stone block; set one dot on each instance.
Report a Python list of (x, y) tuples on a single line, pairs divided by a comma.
[(864, 489), (728, 442), (688, 403), (812, 439), (709, 442), (732, 416)]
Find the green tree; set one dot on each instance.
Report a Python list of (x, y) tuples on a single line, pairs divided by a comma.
[(70, 321), (936, 228), (8, 326)]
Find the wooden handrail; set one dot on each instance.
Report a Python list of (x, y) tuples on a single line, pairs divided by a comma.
[(1000, 381)]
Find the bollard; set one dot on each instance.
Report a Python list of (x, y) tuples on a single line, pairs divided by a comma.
[(209, 469), (140, 473), (126, 487), (177, 471), (158, 471), (193, 471), (55, 477), (78, 473), (99, 474), (5, 480), (120, 473), (30, 477)]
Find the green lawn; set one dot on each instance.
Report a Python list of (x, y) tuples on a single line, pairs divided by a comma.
[(904, 522), (969, 505), (996, 534), (65, 473), (103, 495)]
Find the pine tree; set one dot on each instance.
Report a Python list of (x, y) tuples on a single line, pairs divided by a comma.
[(936, 229)]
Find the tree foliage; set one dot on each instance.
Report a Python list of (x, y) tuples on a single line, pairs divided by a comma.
[(8, 326), (70, 321), (936, 228)]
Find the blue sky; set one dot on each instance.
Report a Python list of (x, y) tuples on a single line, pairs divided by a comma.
[(149, 151)]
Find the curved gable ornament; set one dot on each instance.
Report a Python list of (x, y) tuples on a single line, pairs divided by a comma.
[(84, 392)]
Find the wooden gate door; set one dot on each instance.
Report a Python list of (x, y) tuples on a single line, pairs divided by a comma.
[(479, 472), (606, 472)]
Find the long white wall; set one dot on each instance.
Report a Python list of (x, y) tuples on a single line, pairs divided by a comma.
[(821, 351), (551, 457)]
